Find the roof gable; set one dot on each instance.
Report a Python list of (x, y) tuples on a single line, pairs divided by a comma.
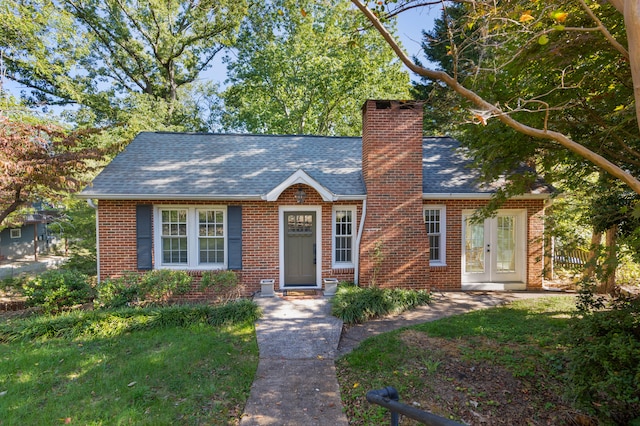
[(300, 177)]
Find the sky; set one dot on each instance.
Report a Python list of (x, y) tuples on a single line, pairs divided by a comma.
[(410, 26)]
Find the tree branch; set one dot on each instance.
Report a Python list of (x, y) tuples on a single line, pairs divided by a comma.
[(17, 202), (558, 137), (620, 48)]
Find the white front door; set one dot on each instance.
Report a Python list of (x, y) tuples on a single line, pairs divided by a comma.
[(494, 250)]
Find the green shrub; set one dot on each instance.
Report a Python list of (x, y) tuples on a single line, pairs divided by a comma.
[(58, 288), (13, 285), (153, 287), (225, 284), (604, 361), (111, 323), (234, 312), (119, 292), (83, 262), (159, 285), (357, 304)]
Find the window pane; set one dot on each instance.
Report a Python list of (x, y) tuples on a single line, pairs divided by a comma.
[(343, 236), (506, 261), (432, 221), (434, 247), (174, 250), (174, 236), (211, 236), (474, 247)]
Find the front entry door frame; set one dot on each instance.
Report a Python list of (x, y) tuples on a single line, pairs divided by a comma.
[(487, 274), (282, 229)]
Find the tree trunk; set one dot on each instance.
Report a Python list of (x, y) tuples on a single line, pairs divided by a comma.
[(592, 262), (608, 283), (632, 24)]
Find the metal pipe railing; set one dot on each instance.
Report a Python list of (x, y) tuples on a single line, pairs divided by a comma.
[(388, 398)]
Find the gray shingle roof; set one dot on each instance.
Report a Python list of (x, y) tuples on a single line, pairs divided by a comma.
[(447, 169), (159, 165), (183, 165)]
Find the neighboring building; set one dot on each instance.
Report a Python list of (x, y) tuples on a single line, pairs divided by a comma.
[(390, 208), (28, 236)]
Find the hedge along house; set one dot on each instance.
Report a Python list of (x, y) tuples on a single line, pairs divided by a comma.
[(391, 208)]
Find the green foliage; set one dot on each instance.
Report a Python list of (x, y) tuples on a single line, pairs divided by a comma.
[(159, 285), (235, 312), (224, 283), (112, 323), (155, 287), (105, 55), (13, 285), (57, 289), (574, 82), (78, 227), (604, 361), (119, 292), (356, 304), (378, 259), (306, 67)]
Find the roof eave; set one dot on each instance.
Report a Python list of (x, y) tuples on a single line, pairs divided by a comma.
[(169, 197), (148, 197), (480, 196)]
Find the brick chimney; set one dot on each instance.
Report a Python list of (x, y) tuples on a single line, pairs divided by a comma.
[(394, 250)]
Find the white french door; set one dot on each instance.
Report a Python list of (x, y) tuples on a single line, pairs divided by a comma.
[(494, 250)]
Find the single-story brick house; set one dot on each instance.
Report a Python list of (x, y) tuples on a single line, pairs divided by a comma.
[(391, 207)]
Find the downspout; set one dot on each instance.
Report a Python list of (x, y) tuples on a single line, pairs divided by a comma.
[(94, 206), (358, 238)]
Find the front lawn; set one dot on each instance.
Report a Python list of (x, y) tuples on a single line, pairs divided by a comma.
[(497, 366), (154, 372)]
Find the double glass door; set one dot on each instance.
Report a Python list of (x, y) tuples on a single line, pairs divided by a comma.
[(493, 250)]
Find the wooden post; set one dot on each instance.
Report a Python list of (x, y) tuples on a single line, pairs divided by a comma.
[(35, 241)]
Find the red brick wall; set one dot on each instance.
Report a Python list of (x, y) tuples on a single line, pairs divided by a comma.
[(117, 237), (392, 172), (449, 277), (260, 239)]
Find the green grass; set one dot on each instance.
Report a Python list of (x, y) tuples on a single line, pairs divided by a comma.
[(524, 337), (166, 374)]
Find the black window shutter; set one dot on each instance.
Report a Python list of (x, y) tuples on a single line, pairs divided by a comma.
[(144, 237), (234, 239)]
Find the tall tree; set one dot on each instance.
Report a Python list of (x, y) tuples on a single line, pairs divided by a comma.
[(562, 77), (302, 67), (536, 25), (40, 161), (96, 53)]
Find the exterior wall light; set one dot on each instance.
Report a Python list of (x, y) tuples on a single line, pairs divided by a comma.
[(300, 195)]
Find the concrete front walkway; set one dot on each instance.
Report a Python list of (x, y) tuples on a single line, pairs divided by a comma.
[(298, 340), (296, 380)]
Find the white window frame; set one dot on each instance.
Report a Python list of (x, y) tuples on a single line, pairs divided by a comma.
[(15, 233), (193, 250), (354, 226), (442, 261)]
